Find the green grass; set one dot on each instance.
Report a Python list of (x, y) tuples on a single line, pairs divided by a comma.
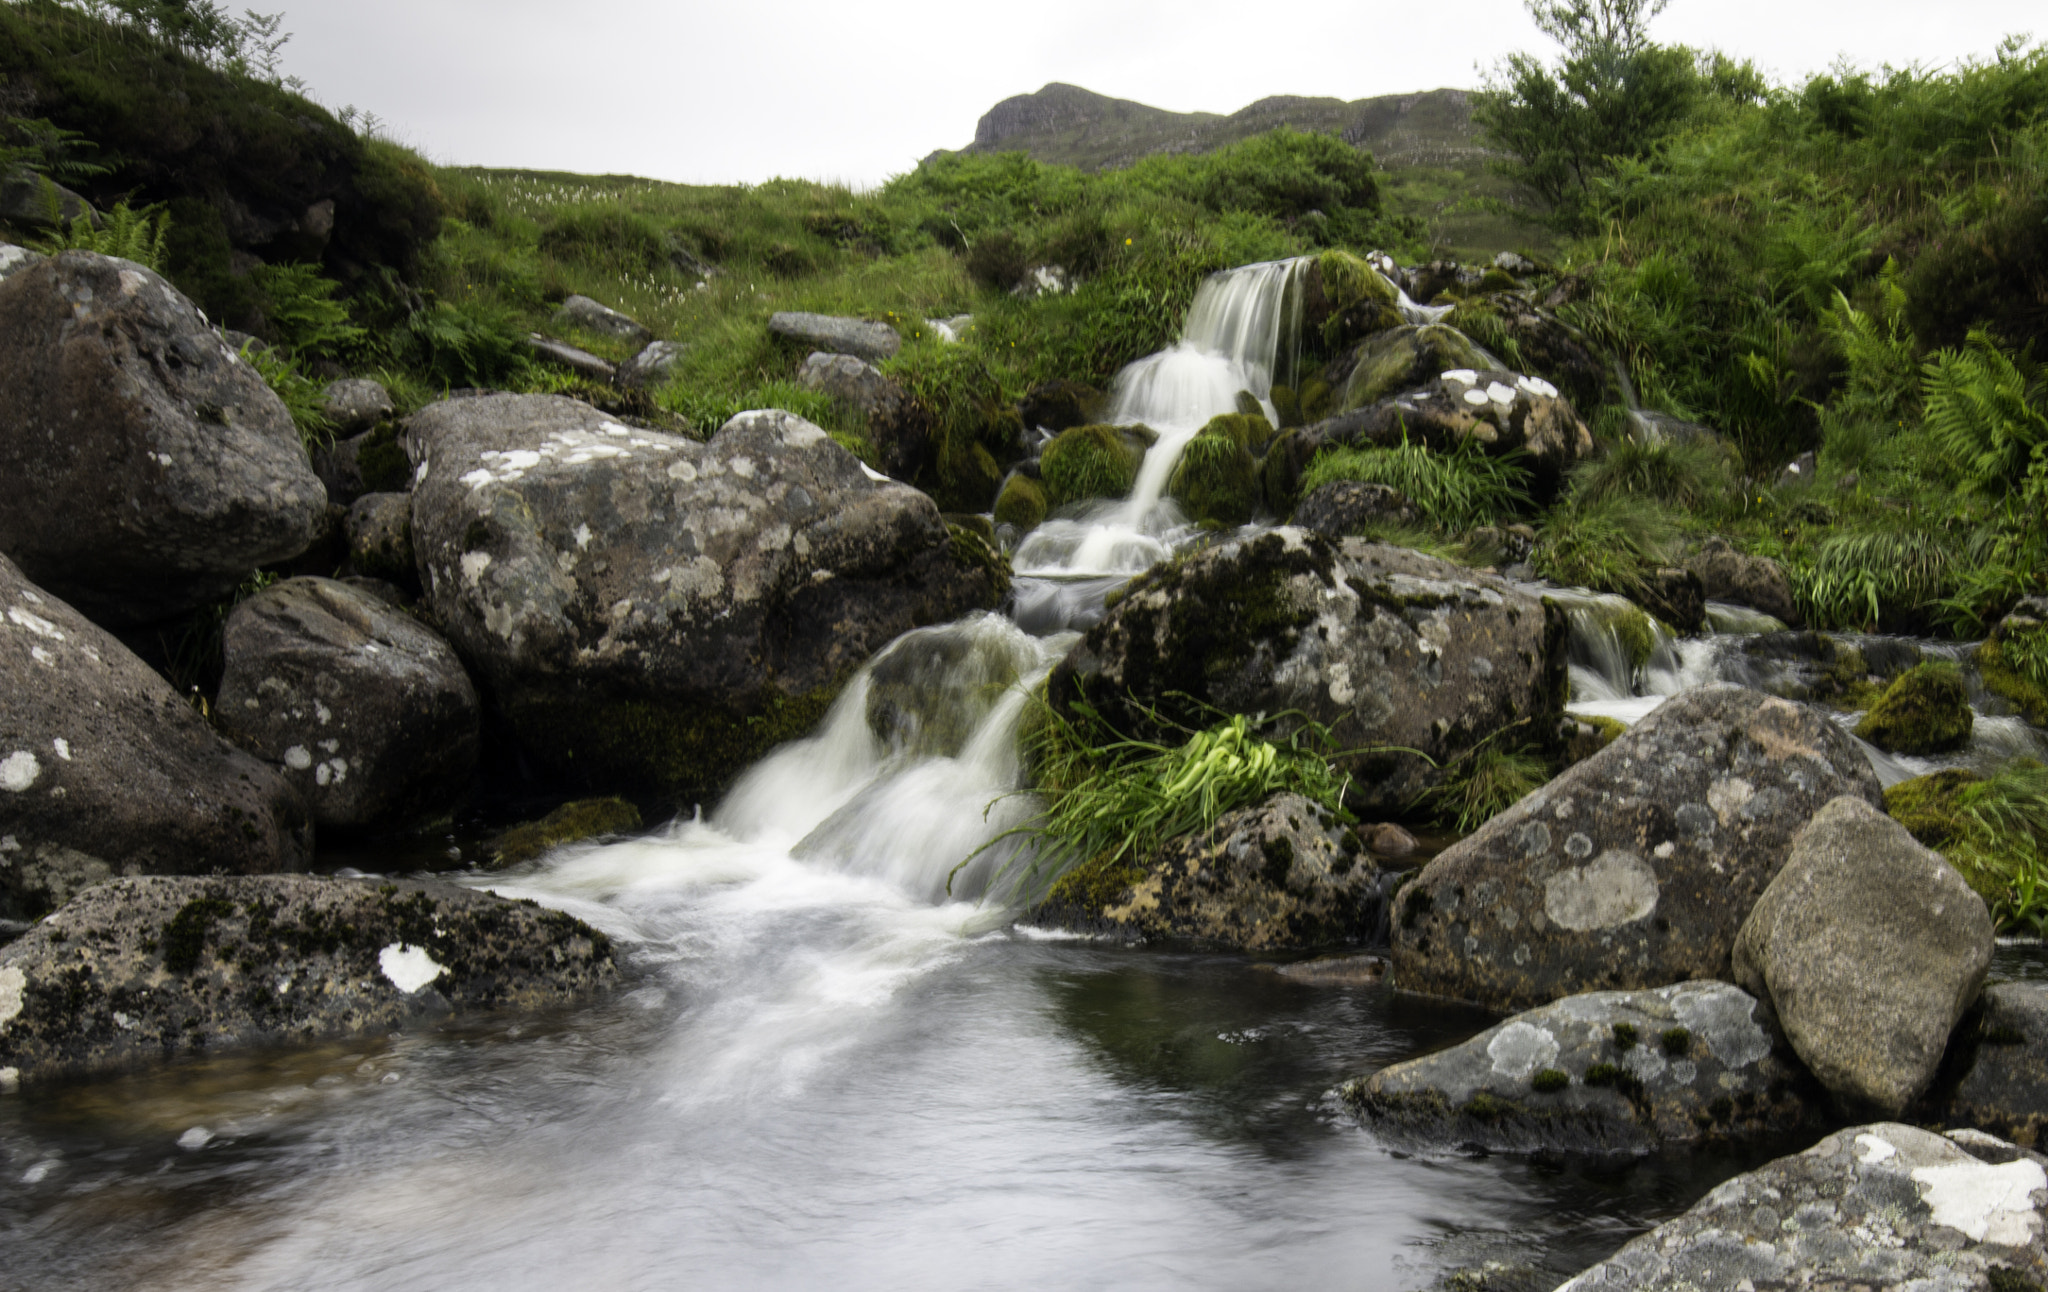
[(1610, 545), (1993, 830), (1455, 490)]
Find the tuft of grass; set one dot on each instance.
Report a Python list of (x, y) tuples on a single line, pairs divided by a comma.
[(1892, 578), (1992, 829), (1488, 781), (1457, 490), (1691, 474), (1609, 546)]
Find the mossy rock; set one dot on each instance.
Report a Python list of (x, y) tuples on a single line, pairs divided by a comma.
[(968, 476), (1498, 280), (1022, 502), (1217, 481), (1927, 710), (1281, 469), (1927, 805), (974, 548), (1091, 462), (1251, 430), (581, 819), (1403, 358), (1355, 300), (1304, 405), (1995, 665)]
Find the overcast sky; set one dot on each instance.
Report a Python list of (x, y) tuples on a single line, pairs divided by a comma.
[(752, 89)]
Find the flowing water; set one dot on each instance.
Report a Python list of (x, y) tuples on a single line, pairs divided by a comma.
[(836, 1065)]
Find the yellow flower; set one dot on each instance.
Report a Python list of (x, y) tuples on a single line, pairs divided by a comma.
[(1127, 242)]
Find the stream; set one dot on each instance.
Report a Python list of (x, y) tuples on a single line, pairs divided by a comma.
[(835, 1066)]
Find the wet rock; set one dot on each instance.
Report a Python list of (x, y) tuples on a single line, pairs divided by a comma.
[(1398, 359), (380, 538), (1061, 405), (1022, 504), (137, 971), (1870, 947), (1882, 1206), (1675, 597), (1500, 411), (1336, 971), (651, 612), (902, 442), (650, 367), (1354, 507), (594, 316), (930, 690), (1754, 581), (1274, 875), (1634, 868), (1346, 297), (355, 405), (145, 469), (1602, 1072), (1927, 710), (362, 707), (873, 342), (1539, 342), (1814, 666), (569, 823), (1392, 649), (14, 259), (104, 770), (2003, 1051), (1390, 840), (562, 354), (1428, 282)]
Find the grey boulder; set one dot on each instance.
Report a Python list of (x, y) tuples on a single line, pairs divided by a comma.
[(355, 405), (561, 353), (104, 770), (1754, 581), (1351, 507), (362, 707), (380, 538), (1498, 411), (145, 469), (37, 202), (901, 443), (1634, 868), (1875, 1207), (1602, 1072), (138, 971), (14, 259), (650, 367), (593, 316), (858, 337)]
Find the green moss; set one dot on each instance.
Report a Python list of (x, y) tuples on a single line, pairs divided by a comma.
[(1217, 480), (1401, 358), (1089, 462), (1925, 711), (1624, 1038), (1097, 884), (1486, 1106), (184, 939), (1498, 280), (1996, 666), (1021, 503), (1549, 1081), (1251, 430), (1677, 1042), (973, 550), (581, 819), (1637, 635), (1926, 805)]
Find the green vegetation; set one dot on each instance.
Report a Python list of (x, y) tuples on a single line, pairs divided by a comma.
[(129, 234), (1487, 782), (1454, 490), (569, 823), (1549, 1081), (1993, 830), (1925, 710), (1090, 462), (1611, 545)]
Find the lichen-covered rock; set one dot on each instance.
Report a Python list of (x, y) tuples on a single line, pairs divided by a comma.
[(380, 538), (361, 706), (1754, 581), (570, 823), (1275, 875), (1876, 1207), (1401, 358), (655, 613), (1634, 868), (1540, 342), (145, 469), (137, 971), (1925, 711), (1393, 650), (104, 770), (1869, 947), (902, 442), (871, 341), (354, 405), (1348, 507), (1606, 1071), (1502, 412), (595, 316), (2002, 1086)]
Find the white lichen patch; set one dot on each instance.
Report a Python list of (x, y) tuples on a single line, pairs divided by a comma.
[(473, 566), (1871, 1150), (1463, 375), (1991, 1204), (408, 967), (35, 623), (873, 474), (1728, 795), (1614, 888), (1519, 1049), (298, 758), (1477, 398), (13, 982), (1499, 394), (1538, 386), (63, 748), (19, 770)]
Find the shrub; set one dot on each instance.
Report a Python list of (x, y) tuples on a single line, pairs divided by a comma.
[(1887, 579), (304, 316), (471, 343), (304, 398), (140, 236)]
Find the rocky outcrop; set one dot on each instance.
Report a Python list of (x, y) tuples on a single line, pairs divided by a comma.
[(104, 770), (1603, 1072), (1394, 651), (901, 441), (2002, 1085), (1398, 359), (594, 316), (137, 971), (1275, 875), (652, 612), (1634, 868), (1352, 507), (1499, 411), (1754, 581), (362, 707), (1870, 947), (355, 405), (873, 342), (145, 469), (1879, 1207)]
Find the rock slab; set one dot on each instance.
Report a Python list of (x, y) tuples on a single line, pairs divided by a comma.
[(873, 342), (1634, 868)]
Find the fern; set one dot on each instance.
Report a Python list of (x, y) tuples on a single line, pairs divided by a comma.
[(1985, 408), (127, 234), (308, 320)]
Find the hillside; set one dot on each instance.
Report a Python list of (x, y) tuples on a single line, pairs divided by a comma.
[(1426, 141)]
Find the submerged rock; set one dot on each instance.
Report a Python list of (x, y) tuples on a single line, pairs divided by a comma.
[(104, 770), (138, 971), (1634, 868), (362, 707), (1927, 710), (1274, 875), (1393, 650), (1754, 581), (2002, 1086), (145, 469), (1883, 1206), (655, 613), (930, 690), (1602, 1072), (858, 337)]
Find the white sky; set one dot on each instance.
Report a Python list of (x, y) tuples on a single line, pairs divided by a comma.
[(858, 92)]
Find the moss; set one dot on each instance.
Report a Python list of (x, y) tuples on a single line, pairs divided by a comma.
[(1021, 503), (1624, 1037), (1488, 1107), (184, 939), (2004, 1278), (1995, 666), (1315, 397), (1061, 405), (1549, 1081), (1927, 807), (1217, 480), (581, 819), (1097, 884), (1089, 462), (1498, 280), (1637, 635), (972, 550), (1925, 711), (1677, 1042), (1286, 406), (1251, 430), (382, 462), (1401, 358)]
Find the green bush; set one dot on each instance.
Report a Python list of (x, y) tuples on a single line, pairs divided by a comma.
[(1883, 579), (140, 236), (1693, 474), (470, 343), (304, 398)]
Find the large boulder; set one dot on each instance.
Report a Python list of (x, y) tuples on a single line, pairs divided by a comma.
[(1602, 1072), (362, 707), (35, 201), (104, 770), (1876, 1207), (858, 337), (655, 613), (1411, 661), (145, 469), (2002, 1084), (1634, 868), (354, 405), (902, 441), (1870, 947), (1277, 874), (137, 971), (1754, 581), (1501, 412)]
